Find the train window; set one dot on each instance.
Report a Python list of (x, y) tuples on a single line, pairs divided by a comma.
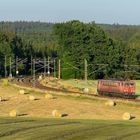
[(106, 83), (115, 84), (110, 83), (129, 84)]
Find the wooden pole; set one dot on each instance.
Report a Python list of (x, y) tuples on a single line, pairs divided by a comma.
[(59, 69), (10, 68), (33, 72), (5, 67), (44, 67), (85, 71)]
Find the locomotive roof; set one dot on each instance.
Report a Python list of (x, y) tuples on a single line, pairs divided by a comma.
[(119, 80)]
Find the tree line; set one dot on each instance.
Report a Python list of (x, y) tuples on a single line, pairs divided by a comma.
[(72, 42)]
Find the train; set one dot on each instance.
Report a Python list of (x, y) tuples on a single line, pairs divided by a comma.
[(117, 88)]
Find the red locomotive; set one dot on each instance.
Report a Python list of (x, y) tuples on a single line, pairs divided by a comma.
[(118, 88)]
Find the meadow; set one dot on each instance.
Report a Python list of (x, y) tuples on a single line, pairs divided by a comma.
[(87, 118), (61, 129)]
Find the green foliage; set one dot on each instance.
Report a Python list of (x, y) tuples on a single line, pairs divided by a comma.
[(72, 42), (107, 57)]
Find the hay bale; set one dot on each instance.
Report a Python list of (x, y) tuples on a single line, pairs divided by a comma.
[(49, 96), (32, 98), (110, 103), (126, 116), (22, 92), (86, 90), (13, 113), (56, 113), (40, 77)]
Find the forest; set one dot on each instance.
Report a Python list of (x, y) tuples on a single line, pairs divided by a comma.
[(111, 51)]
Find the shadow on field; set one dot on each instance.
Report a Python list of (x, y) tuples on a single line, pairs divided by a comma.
[(133, 117), (64, 115), (37, 99), (23, 114), (26, 93), (4, 100)]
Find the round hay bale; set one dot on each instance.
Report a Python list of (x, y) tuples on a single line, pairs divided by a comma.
[(126, 116), (86, 90), (110, 103), (49, 96), (13, 113), (31, 97), (22, 92), (40, 77), (56, 113)]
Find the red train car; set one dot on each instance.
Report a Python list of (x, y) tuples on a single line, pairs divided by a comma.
[(118, 88)]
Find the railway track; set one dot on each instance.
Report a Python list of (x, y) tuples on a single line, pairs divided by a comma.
[(29, 82)]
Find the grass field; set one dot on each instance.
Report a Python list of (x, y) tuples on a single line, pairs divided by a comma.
[(88, 118), (79, 85), (137, 86), (77, 107), (61, 129)]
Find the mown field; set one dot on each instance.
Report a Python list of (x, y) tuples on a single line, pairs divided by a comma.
[(61, 129), (87, 118)]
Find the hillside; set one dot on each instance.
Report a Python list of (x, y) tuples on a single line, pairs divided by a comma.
[(26, 27), (116, 31), (121, 32)]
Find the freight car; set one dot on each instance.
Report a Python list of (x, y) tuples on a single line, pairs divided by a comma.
[(116, 88)]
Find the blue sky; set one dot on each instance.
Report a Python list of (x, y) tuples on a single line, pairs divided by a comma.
[(100, 11)]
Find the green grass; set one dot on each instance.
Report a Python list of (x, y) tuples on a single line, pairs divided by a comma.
[(92, 85), (137, 86), (62, 129)]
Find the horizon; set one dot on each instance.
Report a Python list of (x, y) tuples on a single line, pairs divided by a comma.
[(104, 12), (35, 21)]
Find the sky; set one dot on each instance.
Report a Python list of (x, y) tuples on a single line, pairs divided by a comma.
[(100, 11)]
